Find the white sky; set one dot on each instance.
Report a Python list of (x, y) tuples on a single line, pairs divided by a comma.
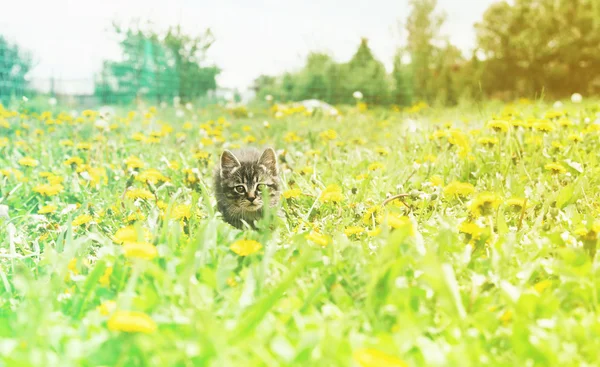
[(70, 38)]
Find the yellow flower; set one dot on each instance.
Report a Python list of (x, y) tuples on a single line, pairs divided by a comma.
[(368, 216), (375, 166), (544, 126), (353, 230), (575, 138), (182, 211), (134, 162), (555, 168), (328, 135), (318, 238), (28, 162), (484, 203), (436, 180), (84, 146), (382, 151), (369, 357), (249, 139), (47, 209), (457, 188), (73, 161), (107, 307), (312, 153), (362, 176), (395, 220), (516, 202), (291, 137), (48, 189), (131, 322), (105, 278), (541, 286), (245, 247), (307, 170), (499, 125), (459, 138), (487, 140), (332, 193), (125, 234), (201, 155), (82, 219), (292, 193), (139, 194), (151, 176), (375, 232), (471, 229), (140, 250)]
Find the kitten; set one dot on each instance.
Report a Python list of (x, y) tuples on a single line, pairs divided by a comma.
[(240, 181)]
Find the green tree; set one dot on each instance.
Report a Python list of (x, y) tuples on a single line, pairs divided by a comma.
[(14, 66), (367, 75), (402, 93)]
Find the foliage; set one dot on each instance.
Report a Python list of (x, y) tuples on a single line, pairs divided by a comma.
[(111, 252), (157, 67), (14, 66)]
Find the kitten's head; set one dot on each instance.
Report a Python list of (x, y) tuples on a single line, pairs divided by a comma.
[(246, 176)]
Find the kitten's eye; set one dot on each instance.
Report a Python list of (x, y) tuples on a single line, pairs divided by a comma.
[(240, 189), (261, 187)]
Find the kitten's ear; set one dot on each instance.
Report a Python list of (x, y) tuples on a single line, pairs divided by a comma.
[(269, 160), (229, 163)]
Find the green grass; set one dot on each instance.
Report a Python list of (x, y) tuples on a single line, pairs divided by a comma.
[(437, 279)]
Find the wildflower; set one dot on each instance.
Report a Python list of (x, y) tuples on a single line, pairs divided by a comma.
[(306, 170), (107, 307), (134, 217), (436, 180), (312, 153), (353, 230), (357, 94), (151, 176), (458, 138), (543, 126), (375, 232), (484, 203), (328, 135), (555, 168), (245, 247), (138, 136), (201, 155), (368, 357), (84, 146), (181, 212), (375, 166), (488, 141), (134, 162), (575, 138), (362, 176), (73, 161), (318, 238), (395, 220), (144, 194), (140, 250), (131, 322), (369, 214), (105, 278), (48, 189), (498, 125), (472, 230), (516, 203), (292, 193), (291, 137), (557, 145), (47, 209), (249, 139), (506, 316), (541, 286), (125, 234), (28, 162), (430, 158), (82, 219), (457, 188), (332, 193)]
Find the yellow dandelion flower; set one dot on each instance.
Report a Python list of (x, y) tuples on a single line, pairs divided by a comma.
[(84, 146), (382, 151), (544, 126), (375, 166), (138, 136), (306, 170), (135, 193), (181, 212), (81, 220), (555, 168), (48, 189), (140, 250), (245, 247), (459, 139), (472, 230), (498, 125), (353, 230), (249, 139), (28, 162), (485, 203), (201, 155), (328, 135), (47, 209), (291, 137), (131, 322), (107, 307), (457, 188), (73, 161), (575, 138), (436, 180), (516, 202), (395, 220), (318, 238), (151, 176), (134, 162), (369, 357), (332, 193), (125, 234), (292, 193), (558, 145), (105, 278), (362, 176), (488, 141), (541, 286)]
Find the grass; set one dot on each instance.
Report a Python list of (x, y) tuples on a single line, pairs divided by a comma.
[(111, 252)]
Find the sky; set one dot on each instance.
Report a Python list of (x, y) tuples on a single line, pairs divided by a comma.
[(70, 38)]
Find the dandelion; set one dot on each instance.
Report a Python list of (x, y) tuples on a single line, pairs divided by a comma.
[(544, 126), (181, 212), (459, 138), (143, 194), (107, 307), (555, 168), (328, 135), (48, 189), (516, 203), (472, 230), (575, 138), (292, 193), (375, 166), (47, 209), (84, 146), (353, 230), (541, 286), (369, 357), (73, 161), (245, 247), (291, 137), (151, 176), (28, 162), (125, 234), (362, 176), (131, 322), (140, 250), (105, 278), (382, 151), (576, 98), (318, 238), (488, 141), (306, 170), (201, 156), (436, 180), (134, 162), (499, 125), (484, 203), (81, 220), (457, 188), (332, 193)]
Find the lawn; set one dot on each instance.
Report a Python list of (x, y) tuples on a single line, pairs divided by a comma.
[(112, 254)]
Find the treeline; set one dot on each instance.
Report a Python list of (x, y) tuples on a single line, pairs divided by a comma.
[(530, 48)]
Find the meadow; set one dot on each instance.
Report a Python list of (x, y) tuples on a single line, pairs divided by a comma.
[(411, 237)]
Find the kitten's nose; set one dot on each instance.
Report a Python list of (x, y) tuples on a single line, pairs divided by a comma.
[(251, 197)]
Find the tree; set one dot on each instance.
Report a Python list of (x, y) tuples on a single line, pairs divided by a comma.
[(367, 75), (14, 66), (402, 93)]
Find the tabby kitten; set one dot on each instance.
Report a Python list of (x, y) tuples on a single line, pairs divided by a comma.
[(240, 181)]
